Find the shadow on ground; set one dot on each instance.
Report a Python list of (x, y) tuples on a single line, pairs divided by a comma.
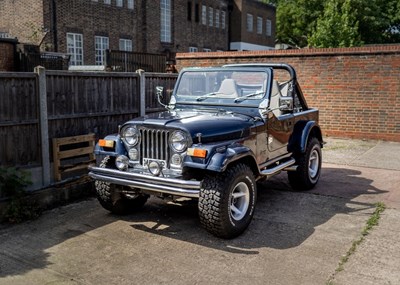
[(283, 220)]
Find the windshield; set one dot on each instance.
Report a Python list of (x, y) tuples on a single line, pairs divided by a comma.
[(221, 86)]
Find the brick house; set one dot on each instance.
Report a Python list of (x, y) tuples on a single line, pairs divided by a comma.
[(252, 25), (86, 28)]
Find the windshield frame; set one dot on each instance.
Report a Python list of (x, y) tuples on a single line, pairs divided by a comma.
[(227, 102)]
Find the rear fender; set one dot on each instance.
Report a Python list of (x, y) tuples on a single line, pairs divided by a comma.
[(302, 130)]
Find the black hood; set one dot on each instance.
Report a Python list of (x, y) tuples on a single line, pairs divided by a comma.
[(213, 125)]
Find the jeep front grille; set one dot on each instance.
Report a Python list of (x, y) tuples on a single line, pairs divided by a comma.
[(154, 144)]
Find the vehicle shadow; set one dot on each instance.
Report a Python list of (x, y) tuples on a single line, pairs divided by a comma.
[(283, 219), (28, 246)]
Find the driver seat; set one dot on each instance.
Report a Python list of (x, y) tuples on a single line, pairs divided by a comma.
[(228, 88)]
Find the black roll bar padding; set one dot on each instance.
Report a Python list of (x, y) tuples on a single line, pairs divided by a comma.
[(284, 66)]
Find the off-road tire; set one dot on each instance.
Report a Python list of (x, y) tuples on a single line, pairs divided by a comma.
[(309, 167), (110, 196), (216, 200)]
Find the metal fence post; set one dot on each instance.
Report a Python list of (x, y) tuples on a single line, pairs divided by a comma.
[(43, 125), (142, 87)]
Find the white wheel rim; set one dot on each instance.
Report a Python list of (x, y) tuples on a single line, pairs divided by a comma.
[(313, 164), (240, 200)]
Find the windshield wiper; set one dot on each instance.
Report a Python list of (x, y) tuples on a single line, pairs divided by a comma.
[(242, 98), (208, 95)]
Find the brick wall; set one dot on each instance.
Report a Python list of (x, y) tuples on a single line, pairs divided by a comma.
[(185, 32), (357, 90), (239, 31), (22, 19), (7, 54)]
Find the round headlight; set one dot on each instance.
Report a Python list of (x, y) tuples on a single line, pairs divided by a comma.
[(154, 168), (131, 136), (179, 141), (122, 162)]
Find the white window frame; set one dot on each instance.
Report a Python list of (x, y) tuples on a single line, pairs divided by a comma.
[(130, 4), (217, 19), (206, 50), (259, 25), (268, 28), (125, 45), (249, 22), (193, 49), (119, 3), (210, 16), (101, 44), (75, 48), (107, 2), (165, 24), (204, 14), (223, 19)]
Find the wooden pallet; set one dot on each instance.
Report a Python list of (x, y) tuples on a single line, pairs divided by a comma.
[(72, 151)]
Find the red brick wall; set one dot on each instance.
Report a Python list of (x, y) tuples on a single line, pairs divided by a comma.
[(22, 19), (7, 52), (357, 90)]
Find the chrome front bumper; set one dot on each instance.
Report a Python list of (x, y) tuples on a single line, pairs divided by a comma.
[(172, 186)]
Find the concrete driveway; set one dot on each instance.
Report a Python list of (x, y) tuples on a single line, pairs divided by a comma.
[(295, 238)]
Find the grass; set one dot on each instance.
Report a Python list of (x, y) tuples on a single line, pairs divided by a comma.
[(371, 223)]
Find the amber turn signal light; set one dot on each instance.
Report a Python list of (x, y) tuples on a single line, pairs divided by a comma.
[(202, 153), (106, 143)]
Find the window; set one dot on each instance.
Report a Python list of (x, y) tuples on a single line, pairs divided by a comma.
[(165, 21), (75, 48), (193, 49), (204, 14), (259, 25), (196, 13), (120, 3), (189, 11), (217, 18), (249, 26), (107, 2), (101, 45), (125, 45), (223, 19), (210, 16), (206, 50), (130, 4), (268, 28)]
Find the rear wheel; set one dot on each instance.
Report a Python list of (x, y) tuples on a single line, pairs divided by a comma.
[(309, 167), (227, 201), (111, 196)]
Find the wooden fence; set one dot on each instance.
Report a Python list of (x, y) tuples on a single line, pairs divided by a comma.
[(77, 103)]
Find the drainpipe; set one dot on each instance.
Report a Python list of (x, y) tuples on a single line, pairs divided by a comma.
[(230, 8), (54, 25)]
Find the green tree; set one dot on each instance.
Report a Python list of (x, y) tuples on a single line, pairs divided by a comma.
[(337, 26), (297, 20)]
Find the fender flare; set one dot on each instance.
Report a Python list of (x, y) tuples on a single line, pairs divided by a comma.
[(119, 148), (302, 130), (220, 161)]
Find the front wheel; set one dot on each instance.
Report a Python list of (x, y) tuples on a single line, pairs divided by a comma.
[(227, 201), (308, 167), (111, 196)]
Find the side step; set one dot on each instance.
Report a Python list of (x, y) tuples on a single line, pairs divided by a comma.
[(282, 166)]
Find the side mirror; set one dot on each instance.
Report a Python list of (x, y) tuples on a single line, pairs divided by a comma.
[(286, 104), (159, 92)]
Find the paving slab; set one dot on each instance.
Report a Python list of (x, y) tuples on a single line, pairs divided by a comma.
[(295, 238)]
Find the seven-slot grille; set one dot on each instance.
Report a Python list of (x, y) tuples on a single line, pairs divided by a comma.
[(154, 144)]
